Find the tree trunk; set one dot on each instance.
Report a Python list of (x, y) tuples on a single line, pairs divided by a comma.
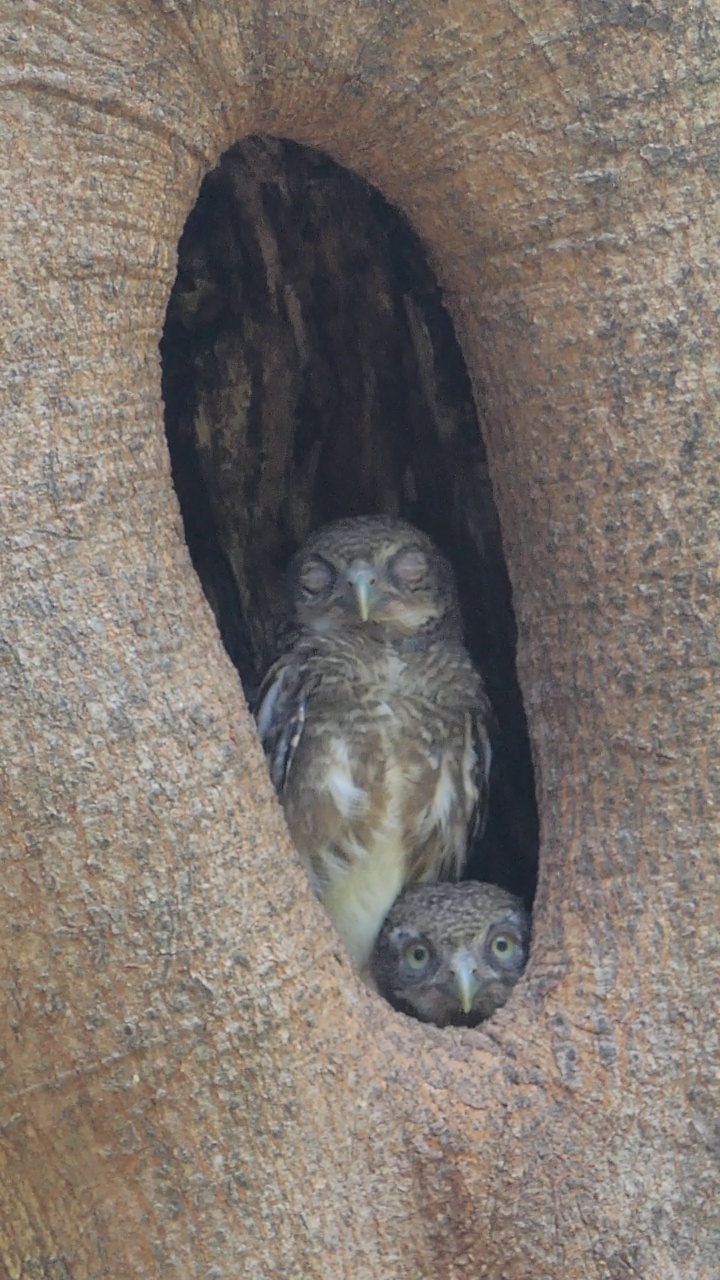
[(194, 1081)]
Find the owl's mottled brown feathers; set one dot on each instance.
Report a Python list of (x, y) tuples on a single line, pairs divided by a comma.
[(451, 953), (374, 721)]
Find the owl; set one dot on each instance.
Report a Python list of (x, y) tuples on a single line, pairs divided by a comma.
[(374, 721), (451, 953)]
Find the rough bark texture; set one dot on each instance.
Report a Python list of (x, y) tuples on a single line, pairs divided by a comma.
[(194, 1083)]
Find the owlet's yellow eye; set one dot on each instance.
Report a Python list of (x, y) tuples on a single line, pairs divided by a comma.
[(504, 946), (417, 956)]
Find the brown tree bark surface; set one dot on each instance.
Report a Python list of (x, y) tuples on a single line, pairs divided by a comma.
[(194, 1083)]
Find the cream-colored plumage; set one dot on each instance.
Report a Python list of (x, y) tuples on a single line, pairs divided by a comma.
[(374, 721)]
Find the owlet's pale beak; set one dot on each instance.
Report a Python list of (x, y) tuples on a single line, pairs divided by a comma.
[(362, 579), (467, 980)]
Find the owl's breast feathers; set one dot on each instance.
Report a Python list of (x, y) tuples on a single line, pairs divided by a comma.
[(381, 757)]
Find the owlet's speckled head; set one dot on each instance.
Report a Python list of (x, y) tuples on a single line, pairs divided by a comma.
[(451, 953), (377, 574)]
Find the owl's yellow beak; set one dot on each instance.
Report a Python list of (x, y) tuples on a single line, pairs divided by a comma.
[(367, 595), (467, 980)]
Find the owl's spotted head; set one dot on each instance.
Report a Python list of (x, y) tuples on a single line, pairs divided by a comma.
[(451, 953), (376, 574)]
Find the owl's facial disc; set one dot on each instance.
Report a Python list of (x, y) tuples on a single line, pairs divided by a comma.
[(392, 600)]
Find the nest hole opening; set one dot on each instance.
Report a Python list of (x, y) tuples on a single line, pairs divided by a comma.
[(311, 371)]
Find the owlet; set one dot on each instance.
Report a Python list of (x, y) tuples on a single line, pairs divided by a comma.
[(451, 953)]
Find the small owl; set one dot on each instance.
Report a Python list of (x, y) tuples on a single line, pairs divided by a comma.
[(451, 953), (374, 721)]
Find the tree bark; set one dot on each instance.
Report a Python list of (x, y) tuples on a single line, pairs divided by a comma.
[(194, 1081)]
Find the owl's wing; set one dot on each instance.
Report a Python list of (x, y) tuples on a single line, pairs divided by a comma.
[(280, 714), (479, 765)]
